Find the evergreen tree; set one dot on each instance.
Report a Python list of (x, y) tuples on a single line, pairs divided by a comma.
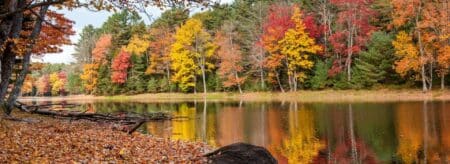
[(375, 65), (320, 78), (136, 82)]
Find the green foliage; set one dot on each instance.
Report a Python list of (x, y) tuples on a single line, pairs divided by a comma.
[(52, 68), (74, 85), (122, 25), (340, 82), (213, 19), (320, 78), (104, 85), (171, 18), (214, 83), (152, 85), (136, 82), (375, 65)]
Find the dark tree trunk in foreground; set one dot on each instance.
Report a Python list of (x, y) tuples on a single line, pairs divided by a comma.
[(26, 61), (8, 55)]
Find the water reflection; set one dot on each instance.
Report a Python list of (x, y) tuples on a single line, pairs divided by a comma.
[(403, 132)]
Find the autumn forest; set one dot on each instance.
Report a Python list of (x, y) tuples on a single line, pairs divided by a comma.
[(231, 81), (248, 46)]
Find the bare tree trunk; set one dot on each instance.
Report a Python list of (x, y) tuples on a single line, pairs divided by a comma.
[(279, 82), (168, 78), (348, 61), (431, 76), (422, 54), (289, 77), (26, 61), (442, 82), (261, 74), (295, 81), (261, 52), (203, 77), (239, 83)]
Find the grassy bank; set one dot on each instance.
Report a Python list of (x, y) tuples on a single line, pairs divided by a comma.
[(300, 96)]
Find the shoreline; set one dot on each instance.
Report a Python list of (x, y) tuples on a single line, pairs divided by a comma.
[(325, 96)]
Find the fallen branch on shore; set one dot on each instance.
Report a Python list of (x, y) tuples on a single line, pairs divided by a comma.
[(136, 120)]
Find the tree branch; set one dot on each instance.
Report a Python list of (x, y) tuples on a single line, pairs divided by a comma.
[(59, 28), (32, 6)]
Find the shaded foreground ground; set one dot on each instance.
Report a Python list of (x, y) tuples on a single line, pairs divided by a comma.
[(43, 139), (384, 95)]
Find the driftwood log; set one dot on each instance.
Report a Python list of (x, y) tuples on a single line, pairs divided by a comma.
[(135, 120), (238, 153)]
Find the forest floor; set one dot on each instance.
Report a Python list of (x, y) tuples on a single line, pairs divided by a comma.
[(383, 95), (42, 139)]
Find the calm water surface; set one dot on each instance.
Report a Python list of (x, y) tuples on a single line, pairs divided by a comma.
[(401, 132)]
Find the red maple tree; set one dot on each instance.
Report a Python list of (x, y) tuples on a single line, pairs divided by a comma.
[(120, 66)]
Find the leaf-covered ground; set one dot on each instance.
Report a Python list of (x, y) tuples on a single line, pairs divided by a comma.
[(53, 140)]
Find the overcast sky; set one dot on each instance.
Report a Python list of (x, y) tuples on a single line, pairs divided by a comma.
[(84, 17)]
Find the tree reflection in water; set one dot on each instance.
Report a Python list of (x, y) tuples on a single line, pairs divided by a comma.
[(407, 132)]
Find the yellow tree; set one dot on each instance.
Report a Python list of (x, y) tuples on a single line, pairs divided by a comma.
[(408, 54), (190, 54), (138, 44), (54, 81), (89, 77), (297, 47)]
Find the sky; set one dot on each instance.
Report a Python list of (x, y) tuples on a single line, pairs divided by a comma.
[(84, 17)]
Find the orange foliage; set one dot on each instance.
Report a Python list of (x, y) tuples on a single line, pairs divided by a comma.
[(230, 58), (101, 48), (162, 38)]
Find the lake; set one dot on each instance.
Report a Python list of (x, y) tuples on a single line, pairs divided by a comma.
[(307, 132)]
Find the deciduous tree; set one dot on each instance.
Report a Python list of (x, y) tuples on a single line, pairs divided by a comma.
[(162, 38), (90, 77), (120, 66), (190, 54), (297, 46), (230, 56), (408, 54), (43, 85), (354, 29), (101, 48), (277, 23)]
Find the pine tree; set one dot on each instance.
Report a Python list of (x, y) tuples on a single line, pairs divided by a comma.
[(375, 64), (136, 82)]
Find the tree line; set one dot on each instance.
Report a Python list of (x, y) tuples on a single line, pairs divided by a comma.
[(268, 46)]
